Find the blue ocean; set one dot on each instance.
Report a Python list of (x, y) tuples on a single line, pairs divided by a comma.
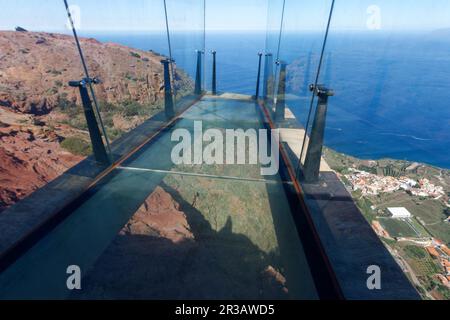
[(392, 91)]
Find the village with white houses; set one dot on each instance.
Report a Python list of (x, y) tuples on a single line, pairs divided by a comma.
[(407, 205), (372, 184)]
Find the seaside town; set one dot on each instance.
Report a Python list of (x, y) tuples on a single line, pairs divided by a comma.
[(372, 184), (407, 205)]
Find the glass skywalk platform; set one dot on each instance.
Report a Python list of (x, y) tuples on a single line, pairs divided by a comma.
[(154, 230), (88, 178)]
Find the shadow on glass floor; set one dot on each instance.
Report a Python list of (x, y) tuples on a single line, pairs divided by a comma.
[(144, 234), (180, 246)]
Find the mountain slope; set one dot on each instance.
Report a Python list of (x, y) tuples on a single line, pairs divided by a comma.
[(42, 125)]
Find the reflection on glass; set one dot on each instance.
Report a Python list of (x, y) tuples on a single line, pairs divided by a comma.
[(228, 228), (42, 136), (387, 127), (166, 226), (186, 23), (387, 130)]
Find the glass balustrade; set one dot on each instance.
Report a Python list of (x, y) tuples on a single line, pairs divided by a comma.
[(387, 129), (381, 133), (44, 129), (237, 40), (186, 37), (120, 154)]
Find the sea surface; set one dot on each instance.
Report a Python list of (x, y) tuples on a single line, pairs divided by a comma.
[(392, 91)]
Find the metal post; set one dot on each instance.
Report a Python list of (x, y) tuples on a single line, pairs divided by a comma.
[(214, 83), (259, 76), (268, 70), (198, 77), (168, 96), (96, 138), (314, 154), (281, 99)]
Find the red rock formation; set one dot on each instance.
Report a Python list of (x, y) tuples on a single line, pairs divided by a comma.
[(29, 159), (160, 215), (34, 72), (274, 280), (35, 69)]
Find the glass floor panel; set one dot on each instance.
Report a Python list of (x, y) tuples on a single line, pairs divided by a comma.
[(207, 114), (149, 234)]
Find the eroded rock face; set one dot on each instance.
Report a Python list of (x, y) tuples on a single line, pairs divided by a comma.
[(274, 280), (29, 159), (167, 250), (35, 69), (159, 216)]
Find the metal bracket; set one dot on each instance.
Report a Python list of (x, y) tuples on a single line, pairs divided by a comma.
[(84, 82), (268, 77), (214, 76), (168, 96), (313, 159), (321, 91), (280, 107), (98, 146), (258, 79), (198, 75)]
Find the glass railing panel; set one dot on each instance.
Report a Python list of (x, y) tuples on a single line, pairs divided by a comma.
[(301, 42), (300, 109), (230, 237), (298, 43), (126, 58), (387, 131), (190, 131), (186, 36), (43, 128), (237, 43), (275, 18)]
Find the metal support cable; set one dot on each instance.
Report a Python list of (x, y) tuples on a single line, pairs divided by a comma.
[(86, 72), (204, 43), (316, 82), (172, 70), (281, 30), (277, 60)]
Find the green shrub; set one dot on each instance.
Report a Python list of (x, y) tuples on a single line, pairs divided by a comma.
[(132, 109), (108, 121), (77, 146), (107, 107), (136, 55), (114, 133), (67, 106), (56, 72), (52, 90), (444, 291), (415, 252), (130, 77)]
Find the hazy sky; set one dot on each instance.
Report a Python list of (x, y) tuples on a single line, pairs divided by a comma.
[(113, 15)]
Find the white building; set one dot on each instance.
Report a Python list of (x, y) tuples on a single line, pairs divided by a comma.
[(399, 213)]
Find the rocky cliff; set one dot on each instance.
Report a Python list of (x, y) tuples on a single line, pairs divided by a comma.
[(35, 69), (42, 127)]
